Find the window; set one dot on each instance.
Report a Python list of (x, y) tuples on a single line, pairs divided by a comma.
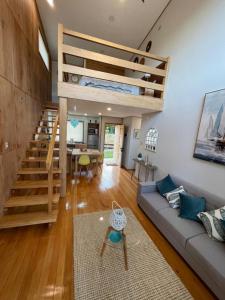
[(75, 134), (43, 50), (151, 139)]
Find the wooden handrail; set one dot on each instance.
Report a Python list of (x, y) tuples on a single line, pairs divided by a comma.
[(52, 143), (49, 163), (112, 45), (111, 60)]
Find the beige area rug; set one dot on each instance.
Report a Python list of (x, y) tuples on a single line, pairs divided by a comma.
[(95, 278)]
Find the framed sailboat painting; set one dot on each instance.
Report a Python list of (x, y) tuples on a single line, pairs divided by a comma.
[(210, 143)]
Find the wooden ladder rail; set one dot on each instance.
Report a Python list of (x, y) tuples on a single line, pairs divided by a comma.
[(49, 163)]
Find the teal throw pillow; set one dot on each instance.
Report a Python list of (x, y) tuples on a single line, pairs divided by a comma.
[(165, 185), (191, 206)]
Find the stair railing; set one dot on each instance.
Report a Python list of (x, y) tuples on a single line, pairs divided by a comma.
[(49, 163)]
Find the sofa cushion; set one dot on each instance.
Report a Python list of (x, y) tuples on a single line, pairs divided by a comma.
[(214, 226), (181, 229), (165, 185), (174, 197), (190, 206), (155, 201), (210, 256)]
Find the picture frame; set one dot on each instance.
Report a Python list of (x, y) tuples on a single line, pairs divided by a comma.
[(210, 141), (137, 134)]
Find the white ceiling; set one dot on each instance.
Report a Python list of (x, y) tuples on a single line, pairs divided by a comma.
[(80, 107), (122, 21)]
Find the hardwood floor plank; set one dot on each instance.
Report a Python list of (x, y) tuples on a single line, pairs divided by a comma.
[(37, 262)]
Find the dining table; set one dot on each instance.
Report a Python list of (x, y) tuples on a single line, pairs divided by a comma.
[(93, 153)]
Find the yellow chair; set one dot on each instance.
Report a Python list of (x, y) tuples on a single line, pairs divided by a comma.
[(84, 161), (100, 161)]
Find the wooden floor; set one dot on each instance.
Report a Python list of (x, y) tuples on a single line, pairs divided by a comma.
[(36, 262)]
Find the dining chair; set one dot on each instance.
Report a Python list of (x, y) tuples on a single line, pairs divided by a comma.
[(84, 162), (100, 161)]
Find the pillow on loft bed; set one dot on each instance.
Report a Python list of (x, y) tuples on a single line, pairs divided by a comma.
[(109, 85)]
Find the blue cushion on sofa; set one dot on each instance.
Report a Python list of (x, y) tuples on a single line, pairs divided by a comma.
[(165, 185), (191, 206)]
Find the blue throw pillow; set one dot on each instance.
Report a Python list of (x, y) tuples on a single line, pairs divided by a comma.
[(165, 185), (191, 206)]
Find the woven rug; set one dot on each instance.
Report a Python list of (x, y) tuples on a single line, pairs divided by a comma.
[(149, 276)]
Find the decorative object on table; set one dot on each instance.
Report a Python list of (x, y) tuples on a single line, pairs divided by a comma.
[(117, 218), (74, 78), (210, 143), (74, 123), (137, 134), (136, 60), (151, 139), (115, 232), (142, 61), (149, 46), (213, 222), (139, 157), (149, 275)]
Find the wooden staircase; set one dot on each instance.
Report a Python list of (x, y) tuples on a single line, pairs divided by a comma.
[(35, 194)]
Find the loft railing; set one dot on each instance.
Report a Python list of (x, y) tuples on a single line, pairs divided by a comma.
[(49, 163), (159, 73)]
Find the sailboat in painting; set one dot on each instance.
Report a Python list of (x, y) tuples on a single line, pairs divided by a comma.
[(221, 131), (210, 144)]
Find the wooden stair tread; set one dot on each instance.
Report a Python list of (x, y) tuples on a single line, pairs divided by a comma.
[(36, 149), (42, 142), (38, 159), (34, 184), (27, 171), (29, 218), (44, 134), (30, 200)]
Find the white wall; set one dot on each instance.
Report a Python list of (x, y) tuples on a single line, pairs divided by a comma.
[(192, 34), (86, 120), (131, 144)]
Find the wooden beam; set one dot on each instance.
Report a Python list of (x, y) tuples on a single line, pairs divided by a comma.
[(111, 77), (60, 54), (165, 80), (74, 91), (63, 143), (111, 60), (113, 45)]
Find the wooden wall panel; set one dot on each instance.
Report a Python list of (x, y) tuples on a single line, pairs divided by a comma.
[(25, 83), (99, 66)]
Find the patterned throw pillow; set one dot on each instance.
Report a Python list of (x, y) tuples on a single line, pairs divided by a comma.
[(213, 221), (174, 197)]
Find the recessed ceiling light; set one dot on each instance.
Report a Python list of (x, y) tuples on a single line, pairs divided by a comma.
[(51, 2), (109, 108), (99, 114), (85, 114)]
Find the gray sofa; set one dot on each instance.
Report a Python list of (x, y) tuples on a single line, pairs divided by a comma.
[(205, 256)]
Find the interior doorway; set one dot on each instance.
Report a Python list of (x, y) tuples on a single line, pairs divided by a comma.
[(113, 144)]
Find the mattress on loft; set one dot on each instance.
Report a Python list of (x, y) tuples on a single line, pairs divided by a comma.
[(109, 85)]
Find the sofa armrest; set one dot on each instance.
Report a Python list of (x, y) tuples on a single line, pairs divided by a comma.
[(146, 187)]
